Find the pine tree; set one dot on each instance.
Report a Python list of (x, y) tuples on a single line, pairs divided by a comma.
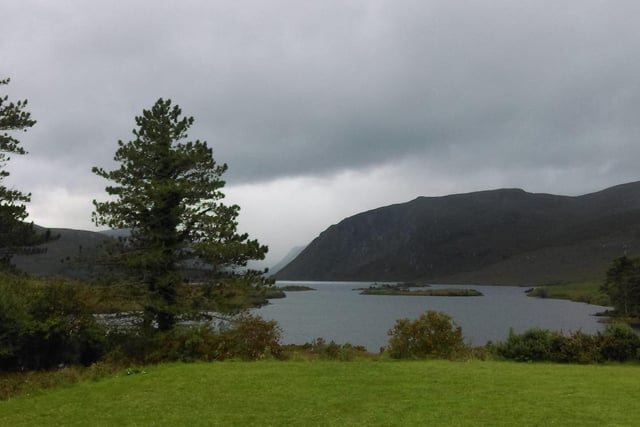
[(167, 192), (14, 232), (622, 285)]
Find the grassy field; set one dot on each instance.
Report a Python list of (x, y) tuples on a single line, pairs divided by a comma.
[(588, 292), (366, 393)]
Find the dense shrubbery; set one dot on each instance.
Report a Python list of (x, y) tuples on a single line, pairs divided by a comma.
[(618, 342), (541, 344), (46, 326), (247, 338), (433, 334)]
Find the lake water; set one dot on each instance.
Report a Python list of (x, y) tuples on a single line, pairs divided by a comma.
[(334, 311)]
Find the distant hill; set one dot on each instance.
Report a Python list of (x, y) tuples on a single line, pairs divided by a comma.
[(69, 254), (290, 256), (120, 232), (58, 257), (501, 236)]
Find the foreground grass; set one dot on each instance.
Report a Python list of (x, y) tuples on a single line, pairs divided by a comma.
[(588, 292), (368, 393)]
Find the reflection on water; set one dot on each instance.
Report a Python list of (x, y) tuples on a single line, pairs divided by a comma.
[(334, 311)]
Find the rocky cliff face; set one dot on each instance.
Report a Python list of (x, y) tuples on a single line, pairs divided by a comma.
[(493, 235)]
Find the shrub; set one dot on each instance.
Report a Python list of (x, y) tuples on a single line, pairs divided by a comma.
[(251, 338), (433, 334), (532, 345), (248, 338), (50, 324), (577, 347), (46, 325), (66, 331), (618, 342), (15, 326), (544, 345)]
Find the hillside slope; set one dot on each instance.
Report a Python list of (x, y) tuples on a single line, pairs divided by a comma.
[(290, 256), (59, 255), (498, 236)]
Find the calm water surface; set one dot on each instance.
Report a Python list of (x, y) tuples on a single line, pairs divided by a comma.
[(334, 311)]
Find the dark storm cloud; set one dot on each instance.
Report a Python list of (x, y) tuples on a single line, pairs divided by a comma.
[(290, 88), (323, 109), (493, 83)]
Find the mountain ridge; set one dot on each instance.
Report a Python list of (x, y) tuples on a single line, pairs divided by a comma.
[(462, 237), (58, 257)]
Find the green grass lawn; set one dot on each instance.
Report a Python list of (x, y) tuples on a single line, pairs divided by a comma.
[(365, 393)]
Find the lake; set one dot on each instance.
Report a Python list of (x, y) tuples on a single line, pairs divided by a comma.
[(334, 311)]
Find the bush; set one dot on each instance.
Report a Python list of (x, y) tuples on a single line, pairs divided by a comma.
[(149, 346), (51, 324), (433, 334), (544, 345), (46, 326), (248, 338), (576, 347), (15, 323), (618, 342), (532, 345)]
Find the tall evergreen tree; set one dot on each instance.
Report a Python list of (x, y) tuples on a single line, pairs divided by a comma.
[(167, 192), (622, 285), (14, 232)]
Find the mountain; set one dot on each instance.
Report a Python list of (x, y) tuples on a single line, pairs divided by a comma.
[(290, 256), (69, 251), (119, 232), (59, 254), (500, 236)]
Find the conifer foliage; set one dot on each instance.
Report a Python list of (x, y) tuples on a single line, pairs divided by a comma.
[(622, 285), (167, 192), (14, 233)]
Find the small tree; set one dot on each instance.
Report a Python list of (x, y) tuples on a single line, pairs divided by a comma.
[(14, 233), (433, 334), (167, 192), (622, 285)]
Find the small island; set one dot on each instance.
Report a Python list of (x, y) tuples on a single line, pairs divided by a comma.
[(295, 288), (405, 289), (278, 292)]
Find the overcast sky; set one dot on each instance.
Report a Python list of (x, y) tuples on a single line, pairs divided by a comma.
[(323, 109)]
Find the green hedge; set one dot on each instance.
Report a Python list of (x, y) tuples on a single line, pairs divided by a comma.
[(618, 342)]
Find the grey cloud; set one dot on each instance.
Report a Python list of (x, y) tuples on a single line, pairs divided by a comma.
[(287, 88)]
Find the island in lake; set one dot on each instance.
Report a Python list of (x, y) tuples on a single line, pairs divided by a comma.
[(277, 292), (406, 289), (295, 288)]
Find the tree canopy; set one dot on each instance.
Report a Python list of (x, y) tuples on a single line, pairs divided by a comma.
[(14, 233), (622, 285), (167, 192)]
